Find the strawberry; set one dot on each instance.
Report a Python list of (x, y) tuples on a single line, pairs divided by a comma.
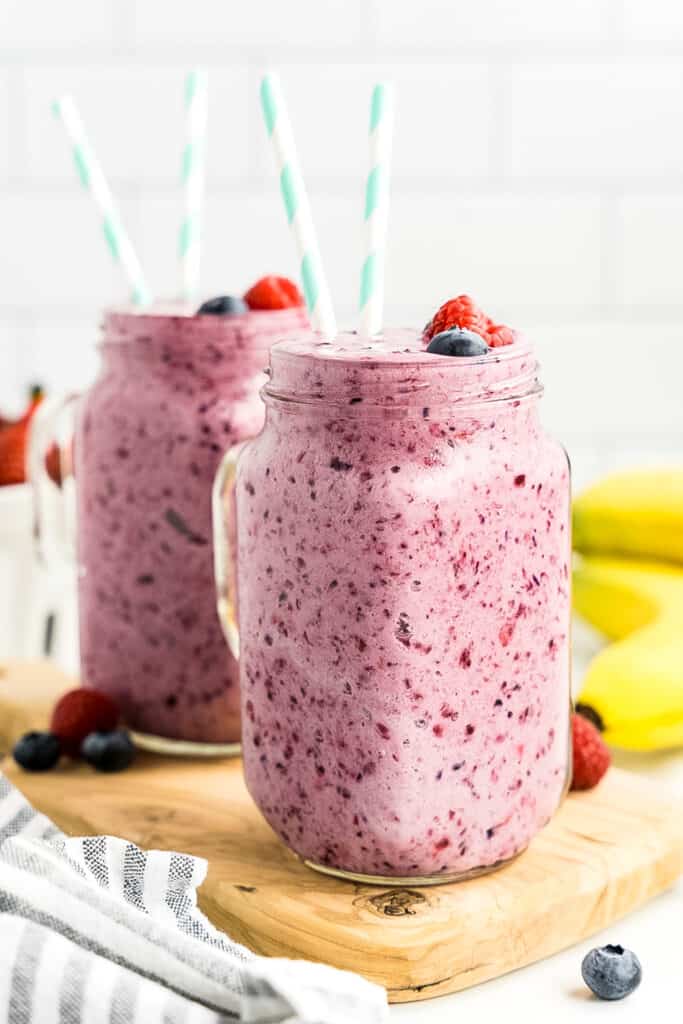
[(80, 712), (459, 312), (273, 293), (591, 758), (13, 454), (13, 441)]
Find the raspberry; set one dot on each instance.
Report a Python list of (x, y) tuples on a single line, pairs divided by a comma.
[(80, 712), (459, 312), (464, 312), (499, 335), (591, 758), (273, 293), (14, 441)]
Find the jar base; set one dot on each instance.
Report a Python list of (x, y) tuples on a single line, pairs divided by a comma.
[(410, 880), (184, 748)]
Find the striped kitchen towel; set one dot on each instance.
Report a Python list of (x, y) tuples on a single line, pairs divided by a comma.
[(97, 930)]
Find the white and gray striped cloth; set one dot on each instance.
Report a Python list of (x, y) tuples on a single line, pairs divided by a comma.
[(97, 930)]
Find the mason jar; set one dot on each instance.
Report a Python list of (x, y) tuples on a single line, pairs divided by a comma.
[(174, 392), (402, 605)]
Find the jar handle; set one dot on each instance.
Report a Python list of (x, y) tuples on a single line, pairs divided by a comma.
[(50, 471), (225, 546)]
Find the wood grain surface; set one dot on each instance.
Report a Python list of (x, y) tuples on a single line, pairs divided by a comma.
[(605, 853)]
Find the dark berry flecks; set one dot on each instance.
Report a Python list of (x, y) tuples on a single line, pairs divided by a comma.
[(179, 524)]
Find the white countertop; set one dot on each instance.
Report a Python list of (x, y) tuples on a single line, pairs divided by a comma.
[(552, 991)]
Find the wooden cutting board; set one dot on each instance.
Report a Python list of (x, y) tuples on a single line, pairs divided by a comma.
[(605, 853)]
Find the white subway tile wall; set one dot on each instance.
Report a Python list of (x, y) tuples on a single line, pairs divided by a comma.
[(491, 22), (597, 120), (29, 27), (657, 20), (538, 166)]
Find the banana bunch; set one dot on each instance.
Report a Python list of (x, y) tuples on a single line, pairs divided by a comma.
[(629, 584)]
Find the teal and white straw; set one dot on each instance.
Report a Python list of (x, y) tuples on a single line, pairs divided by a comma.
[(93, 179), (193, 176), (297, 207), (376, 210)]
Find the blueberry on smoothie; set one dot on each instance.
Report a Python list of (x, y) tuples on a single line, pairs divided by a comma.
[(223, 305), (458, 342)]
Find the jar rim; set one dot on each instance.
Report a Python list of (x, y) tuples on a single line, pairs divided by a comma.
[(351, 347), (395, 371), (246, 336), (179, 316)]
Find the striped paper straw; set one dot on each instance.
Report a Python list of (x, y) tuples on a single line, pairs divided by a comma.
[(93, 179), (193, 175), (297, 207), (376, 210)]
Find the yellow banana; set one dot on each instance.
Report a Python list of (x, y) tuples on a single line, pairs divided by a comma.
[(636, 514), (635, 685)]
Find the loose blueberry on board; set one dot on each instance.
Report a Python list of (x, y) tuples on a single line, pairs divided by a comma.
[(611, 972), (458, 342), (108, 751), (223, 305), (38, 751)]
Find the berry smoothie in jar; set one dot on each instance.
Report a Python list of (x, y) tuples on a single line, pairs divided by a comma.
[(175, 391), (404, 602)]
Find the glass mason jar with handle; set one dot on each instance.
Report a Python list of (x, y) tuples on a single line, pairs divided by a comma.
[(403, 539), (174, 392)]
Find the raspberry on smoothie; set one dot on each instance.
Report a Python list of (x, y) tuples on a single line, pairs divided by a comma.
[(465, 313)]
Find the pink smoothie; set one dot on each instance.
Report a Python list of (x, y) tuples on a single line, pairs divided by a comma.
[(174, 393), (403, 589)]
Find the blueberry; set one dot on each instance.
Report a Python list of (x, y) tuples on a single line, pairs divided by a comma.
[(458, 342), (108, 751), (611, 972), (224, 305), (38, 751)]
